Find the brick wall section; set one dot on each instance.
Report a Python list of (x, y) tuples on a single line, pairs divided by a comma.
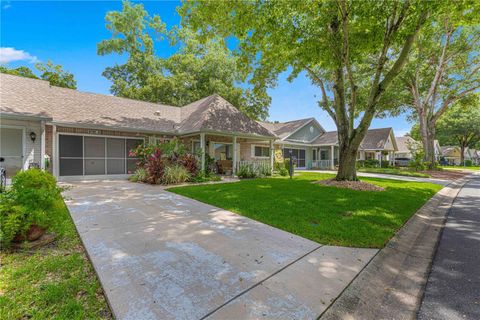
[(49, 145)]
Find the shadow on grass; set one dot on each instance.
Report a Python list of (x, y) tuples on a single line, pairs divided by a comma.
[(328, 215)]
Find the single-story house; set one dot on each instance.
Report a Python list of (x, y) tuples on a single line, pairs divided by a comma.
[(451, 154), (406, 145), (90, 135)]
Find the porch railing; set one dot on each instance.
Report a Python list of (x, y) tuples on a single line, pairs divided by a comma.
[(259, 165), (321, 164)]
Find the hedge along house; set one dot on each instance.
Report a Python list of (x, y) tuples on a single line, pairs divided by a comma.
[(315, 148), (90, 135)]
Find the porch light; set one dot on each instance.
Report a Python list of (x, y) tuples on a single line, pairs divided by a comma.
[(33, 136)]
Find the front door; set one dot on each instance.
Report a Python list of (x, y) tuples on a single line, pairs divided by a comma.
[(11, 150)]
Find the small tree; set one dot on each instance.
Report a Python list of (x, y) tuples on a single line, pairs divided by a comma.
[(56, 75)]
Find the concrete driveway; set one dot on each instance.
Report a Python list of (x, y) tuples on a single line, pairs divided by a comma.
[(163, 256)]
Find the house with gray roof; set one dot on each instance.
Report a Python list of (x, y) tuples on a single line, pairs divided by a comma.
[(77, 134)]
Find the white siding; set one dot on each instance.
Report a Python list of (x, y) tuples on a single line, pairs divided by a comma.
[(32, 150)]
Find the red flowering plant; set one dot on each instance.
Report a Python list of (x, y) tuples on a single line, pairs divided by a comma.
[(190, 162), (142, 152), (155, 166)]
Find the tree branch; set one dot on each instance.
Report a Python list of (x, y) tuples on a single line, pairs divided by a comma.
[(450, 100)]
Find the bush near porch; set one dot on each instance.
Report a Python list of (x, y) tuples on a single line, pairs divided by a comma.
[(324, 214), (167, 163)]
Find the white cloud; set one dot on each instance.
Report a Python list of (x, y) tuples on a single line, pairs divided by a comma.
[(11, 54)]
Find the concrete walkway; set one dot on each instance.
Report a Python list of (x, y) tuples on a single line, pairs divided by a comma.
[(163, 256), (441, 182), (453, 288)]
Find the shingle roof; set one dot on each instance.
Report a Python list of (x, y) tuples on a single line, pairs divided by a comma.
[(19, 95), (284, 129), (405, 143), (375, 139)]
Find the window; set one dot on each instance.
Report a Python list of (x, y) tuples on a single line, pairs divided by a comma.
[(222, 151), (195, 147), (324, 155), (314, 154), (261, 151), (298, 156)]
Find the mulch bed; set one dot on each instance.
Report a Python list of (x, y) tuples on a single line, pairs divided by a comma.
[(354, 185), (445, 174)]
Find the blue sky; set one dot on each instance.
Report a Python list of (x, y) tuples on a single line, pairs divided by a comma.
[(67, 33)]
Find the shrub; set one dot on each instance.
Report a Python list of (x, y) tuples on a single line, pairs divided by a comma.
[(416, 165), (287, 166), (155, 166), (371, 163), (246, 171), (190, 163), (30, 201), (175, 174), (140, 175), (283, 172), (265, 170), (468, 163)]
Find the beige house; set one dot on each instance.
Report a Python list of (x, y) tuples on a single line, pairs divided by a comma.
[(86, 135)]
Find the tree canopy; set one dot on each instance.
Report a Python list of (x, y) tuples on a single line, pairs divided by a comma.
[(198, 69), (460, 124), (48, 71), (352, 50), (444, 68)]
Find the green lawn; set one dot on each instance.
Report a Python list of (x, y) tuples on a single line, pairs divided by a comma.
[(54, 282), (327, 215), (395, 171), (474, 168)]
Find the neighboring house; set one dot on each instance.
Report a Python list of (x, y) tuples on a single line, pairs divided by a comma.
[(452, 155), (473, 155), (405, 146), (90, 135)]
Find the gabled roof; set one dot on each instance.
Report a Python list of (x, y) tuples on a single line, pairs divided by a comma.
[(32, 97), (285, 129), (375, 139), (405, 143)]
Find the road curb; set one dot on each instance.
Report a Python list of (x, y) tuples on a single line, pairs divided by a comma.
[(391, 286)]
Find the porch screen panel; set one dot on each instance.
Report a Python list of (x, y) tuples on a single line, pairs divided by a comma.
[(301, 158), (94, 155), (116, 157), (132, 161), (71, 155)]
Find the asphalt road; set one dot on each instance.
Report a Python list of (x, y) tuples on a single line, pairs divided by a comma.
[(453, 287)]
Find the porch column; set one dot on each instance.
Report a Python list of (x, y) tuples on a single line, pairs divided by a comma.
[(234, 165), (55, 161), (202, 147), (42, 146), (271, 155), (332, 157)]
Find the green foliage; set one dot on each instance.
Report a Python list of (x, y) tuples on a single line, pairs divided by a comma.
[(287, 166), (460, 125), (246, 171), (283, 171), (30, 200), (351, 50), (20, 71), (140, 175), (202, 177), (468, 163), (198, 69), (48, 71), (175, 174), (55, 281)]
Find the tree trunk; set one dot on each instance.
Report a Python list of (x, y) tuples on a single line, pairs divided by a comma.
[(347, 169), (430, 144), (462, 154), (422, 121)]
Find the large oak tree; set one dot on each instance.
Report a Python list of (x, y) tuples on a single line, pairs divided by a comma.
[(352, 50), (444, 68)]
